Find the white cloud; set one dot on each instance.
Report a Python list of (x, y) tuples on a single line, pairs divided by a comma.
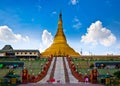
[(54, 12), (7, 35), (46, 38), (76, 19), (74, 2), (77, 24), (39, 5), (97, 34)]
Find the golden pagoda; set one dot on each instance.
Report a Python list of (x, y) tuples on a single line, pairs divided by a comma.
[(59, 47)]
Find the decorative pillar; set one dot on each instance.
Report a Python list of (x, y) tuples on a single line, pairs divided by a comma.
[(24, 76)]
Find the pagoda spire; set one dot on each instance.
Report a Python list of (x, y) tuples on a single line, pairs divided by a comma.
[(59, 47), (60, 16), (60, 37), (60, 20)]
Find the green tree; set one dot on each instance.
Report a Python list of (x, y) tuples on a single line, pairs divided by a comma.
[(117, 74), (91, 65)]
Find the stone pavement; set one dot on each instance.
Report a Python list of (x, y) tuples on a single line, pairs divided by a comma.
[(67, 84), (59, 70)]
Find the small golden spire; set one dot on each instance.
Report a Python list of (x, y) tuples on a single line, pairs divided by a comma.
[(60, 20), (60, 15)]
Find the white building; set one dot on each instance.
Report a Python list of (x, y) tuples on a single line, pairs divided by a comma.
[(8, 52)]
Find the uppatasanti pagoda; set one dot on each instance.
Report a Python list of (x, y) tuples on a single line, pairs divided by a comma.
[(59, 47)]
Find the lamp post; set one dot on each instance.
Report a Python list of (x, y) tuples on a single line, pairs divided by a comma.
[(41, 67), (31, 72), (88, 71)]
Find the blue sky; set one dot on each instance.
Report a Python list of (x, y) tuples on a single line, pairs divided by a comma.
[(90, 25)]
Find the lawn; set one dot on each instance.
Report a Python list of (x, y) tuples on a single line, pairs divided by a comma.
[(33, 66), (83, 66)]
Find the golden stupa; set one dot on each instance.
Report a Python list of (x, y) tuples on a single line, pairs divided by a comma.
[(59, 47)]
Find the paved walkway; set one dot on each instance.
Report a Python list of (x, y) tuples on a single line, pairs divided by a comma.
[(47, 77), (71, 77), (59, 70), (67, 84)]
